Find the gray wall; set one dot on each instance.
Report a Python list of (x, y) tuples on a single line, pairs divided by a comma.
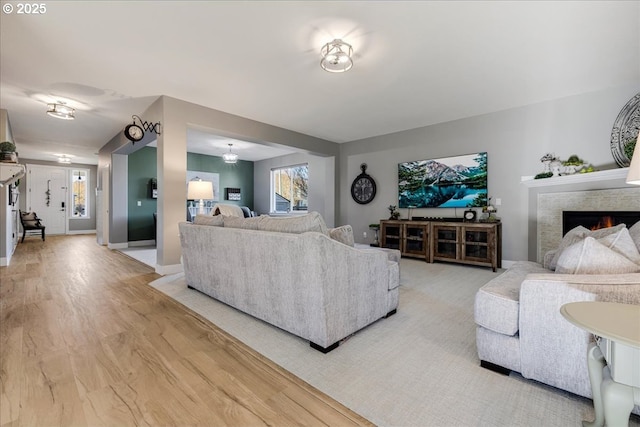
[(321, 183), (515, 140)]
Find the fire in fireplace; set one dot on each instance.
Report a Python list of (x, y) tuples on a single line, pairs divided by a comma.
[(594, 220)]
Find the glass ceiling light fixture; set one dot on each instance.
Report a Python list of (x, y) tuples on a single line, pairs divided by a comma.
[(336, 56), (230, 157), (64, 159), (61, 111)]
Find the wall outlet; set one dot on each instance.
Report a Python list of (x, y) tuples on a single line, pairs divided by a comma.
[(498, 202), (364, 234), (139, 203)]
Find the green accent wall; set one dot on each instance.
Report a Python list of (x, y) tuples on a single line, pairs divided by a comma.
[(237, 175), (142, 166)]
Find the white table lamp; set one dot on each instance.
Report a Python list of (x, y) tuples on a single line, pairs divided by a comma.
[(633, 177), (200, 190)]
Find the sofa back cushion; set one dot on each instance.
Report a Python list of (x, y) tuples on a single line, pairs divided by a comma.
[(298, 224), (216, 220)]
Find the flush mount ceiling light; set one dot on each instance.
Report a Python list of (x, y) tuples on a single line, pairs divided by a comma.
[(230, 157), (61, 111), (64, 159), (336, 56)]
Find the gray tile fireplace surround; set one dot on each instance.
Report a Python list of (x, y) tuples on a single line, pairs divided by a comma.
[(551, 205), (598, 191)]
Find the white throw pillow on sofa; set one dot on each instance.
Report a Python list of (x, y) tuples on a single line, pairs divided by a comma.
[(590, 256), (576, 235)]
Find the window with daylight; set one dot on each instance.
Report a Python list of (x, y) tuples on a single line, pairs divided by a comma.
[(289, 189), (80, 193)]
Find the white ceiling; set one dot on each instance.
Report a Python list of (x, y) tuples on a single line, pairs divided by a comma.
[(416, 63)]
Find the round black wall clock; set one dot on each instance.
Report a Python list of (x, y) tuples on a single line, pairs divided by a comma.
[(363, 189)]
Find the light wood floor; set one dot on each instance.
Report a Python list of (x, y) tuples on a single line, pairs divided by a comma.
[(85, 341)]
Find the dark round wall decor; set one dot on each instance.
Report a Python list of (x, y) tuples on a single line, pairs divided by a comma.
[(363, 188), (625, 130)]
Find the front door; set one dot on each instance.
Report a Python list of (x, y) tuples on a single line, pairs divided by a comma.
[(47, 196)]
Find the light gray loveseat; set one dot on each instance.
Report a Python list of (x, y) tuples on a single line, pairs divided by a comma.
[(518, 322), (290, 273)]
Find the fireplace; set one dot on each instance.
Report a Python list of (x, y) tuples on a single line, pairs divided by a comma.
[(597, 219)]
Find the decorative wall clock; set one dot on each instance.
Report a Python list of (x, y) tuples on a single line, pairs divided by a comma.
[(363, 188), (625, 130)]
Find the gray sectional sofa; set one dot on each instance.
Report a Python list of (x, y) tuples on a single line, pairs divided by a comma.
[(291, 273), (518, 322)]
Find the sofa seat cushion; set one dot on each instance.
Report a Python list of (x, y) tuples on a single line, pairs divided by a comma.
[(497, 303)]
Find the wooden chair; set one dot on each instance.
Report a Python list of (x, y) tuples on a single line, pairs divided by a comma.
[(31, 223)]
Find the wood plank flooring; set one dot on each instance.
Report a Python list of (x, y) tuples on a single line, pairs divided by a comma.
[(85, 341)]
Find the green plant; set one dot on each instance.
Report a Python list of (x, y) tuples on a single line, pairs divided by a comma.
[(573, 161), (374, 226), (544, 175), (629, 146), (7, 147)]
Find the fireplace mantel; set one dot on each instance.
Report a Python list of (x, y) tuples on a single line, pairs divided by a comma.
[(577, 178)]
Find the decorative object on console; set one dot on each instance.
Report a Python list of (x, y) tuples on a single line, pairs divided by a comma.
[(232, 194), (200, 190), (230, 157), (393, 212), (8, 152), (60, 110), (470, 215), (625, 130), (633, 177), (363, 188), (336, 56), (450, 182)]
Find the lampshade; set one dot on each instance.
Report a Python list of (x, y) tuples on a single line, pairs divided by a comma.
[(61, 111), (336, 56), (230, 157), (633, 177), (199, 190)]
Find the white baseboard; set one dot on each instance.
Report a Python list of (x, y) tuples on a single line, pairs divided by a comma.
[(137, 243), (117, 245), (81, 232), (169, 269), (3, 262)]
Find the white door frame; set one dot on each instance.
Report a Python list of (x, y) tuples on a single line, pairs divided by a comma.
[(59, 196)]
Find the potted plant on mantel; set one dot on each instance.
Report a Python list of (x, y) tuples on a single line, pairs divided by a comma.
[(8, 152)]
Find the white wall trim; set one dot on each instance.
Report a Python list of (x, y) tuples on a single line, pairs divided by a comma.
[(136, 243), (81, 232), (169, 269), (3, 262), (117, 245)]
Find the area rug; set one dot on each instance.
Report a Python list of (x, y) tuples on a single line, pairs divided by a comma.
[(416, 368)]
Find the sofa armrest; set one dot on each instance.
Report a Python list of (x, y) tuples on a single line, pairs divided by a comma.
[(554, 350)]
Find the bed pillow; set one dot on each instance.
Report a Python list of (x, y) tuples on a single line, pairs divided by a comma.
[(590, 256)]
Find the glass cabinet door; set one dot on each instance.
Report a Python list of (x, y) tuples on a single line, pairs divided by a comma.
[(476, 244), (416, 239), (391, 235), (446, 241)]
